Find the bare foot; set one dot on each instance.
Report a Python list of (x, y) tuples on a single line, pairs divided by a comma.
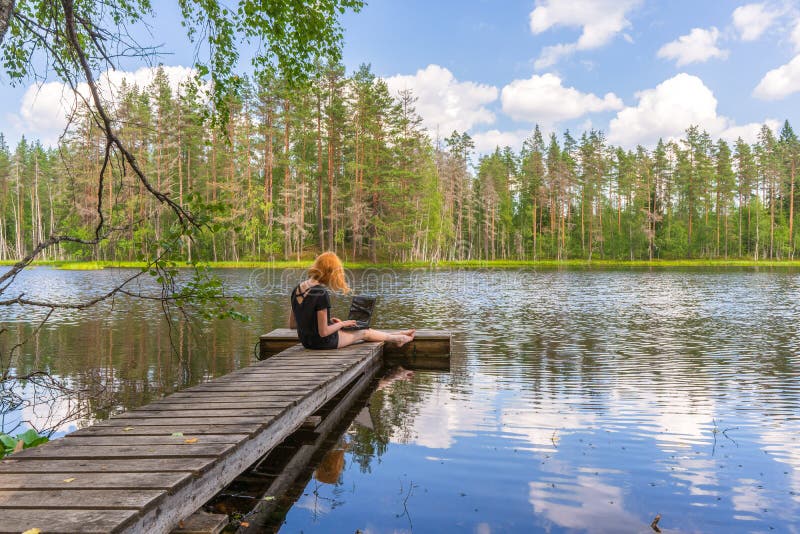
[(402, 339), (410, 332)]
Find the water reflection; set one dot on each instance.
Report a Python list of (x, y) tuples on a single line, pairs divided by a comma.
[(577, 400)]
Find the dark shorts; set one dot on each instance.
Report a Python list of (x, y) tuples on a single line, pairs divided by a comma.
[(322, 343)]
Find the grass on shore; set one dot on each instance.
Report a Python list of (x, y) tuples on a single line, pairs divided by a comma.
[(466, 264)]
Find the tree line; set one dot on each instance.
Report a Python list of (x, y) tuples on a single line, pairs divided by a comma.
[(339, 163)]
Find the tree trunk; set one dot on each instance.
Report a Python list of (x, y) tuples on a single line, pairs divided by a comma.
[(18, 216), (268, 164), (320, 223), (791, 209), (287, 242), (6, 11)]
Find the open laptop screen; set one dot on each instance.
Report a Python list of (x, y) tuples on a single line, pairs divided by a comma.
[(361, 309)]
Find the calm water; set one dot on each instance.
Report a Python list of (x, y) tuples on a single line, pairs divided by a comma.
[(577, 400)]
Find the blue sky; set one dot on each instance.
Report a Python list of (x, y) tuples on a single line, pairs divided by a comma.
[(636, 69)]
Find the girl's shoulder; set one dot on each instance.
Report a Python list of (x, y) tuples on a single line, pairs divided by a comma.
[(318, 290), (307, 287)]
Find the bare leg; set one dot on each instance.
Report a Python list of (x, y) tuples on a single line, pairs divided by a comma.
[(398, 339), (349, 337)]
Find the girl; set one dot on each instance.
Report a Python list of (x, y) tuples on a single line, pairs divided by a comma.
[(311, 310)]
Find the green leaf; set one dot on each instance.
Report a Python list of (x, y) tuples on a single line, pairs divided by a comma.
[(31, 438), (8, 442)]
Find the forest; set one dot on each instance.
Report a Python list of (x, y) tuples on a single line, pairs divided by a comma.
[(339, 163)]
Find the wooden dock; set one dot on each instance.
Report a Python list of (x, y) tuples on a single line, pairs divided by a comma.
[(429, 350), (148, 469)]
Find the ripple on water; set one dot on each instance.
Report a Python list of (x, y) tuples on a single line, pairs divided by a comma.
[(577, 401)]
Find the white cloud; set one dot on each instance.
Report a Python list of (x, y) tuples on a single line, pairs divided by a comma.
[(444, 103), (668, 109), (600, 21), (545, 100), (43, 111), (487, 142), (748, 132), (698, 46), (795, 37), (752, 20), (46, 107), (781, 82)]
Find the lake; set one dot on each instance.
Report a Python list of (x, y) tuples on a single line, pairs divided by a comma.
[(578, 400)]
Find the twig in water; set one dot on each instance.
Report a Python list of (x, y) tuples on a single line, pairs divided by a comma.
[(716, 430), (725, 433), (410, 492), (654, 524)]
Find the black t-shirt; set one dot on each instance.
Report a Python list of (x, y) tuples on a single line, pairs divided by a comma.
[(305, 307)]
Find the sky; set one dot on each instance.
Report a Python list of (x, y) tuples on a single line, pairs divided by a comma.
[(638, 70)]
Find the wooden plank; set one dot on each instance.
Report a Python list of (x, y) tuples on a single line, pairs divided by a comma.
[(80, 499), (298, 374), (300, 364), (249, 388), (319, 357), (96, 481), (178, 421), (286, 377), (200, 490), (209, 400), (65, 520), (280, 381), (211, 405), (103, 429), (63, 450), (427, 342), (298, 463), (195, 465), (300, 369), (95, 440), (260, 387), (215, 412), (202, 522), (134, 461), (202, 396)]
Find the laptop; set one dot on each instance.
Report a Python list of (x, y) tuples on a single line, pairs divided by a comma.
[(361, 311)]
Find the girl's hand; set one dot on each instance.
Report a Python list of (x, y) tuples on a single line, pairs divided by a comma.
[(350, 322), (335, 320)]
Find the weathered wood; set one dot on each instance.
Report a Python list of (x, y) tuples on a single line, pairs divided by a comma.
[(178, 421), (298, 462), (428, 343), (266, 389), (95, 440), (212, 405), (106, 465), (312, 422), (65, 521), (94, 481), (202, 396), (201, 489), (62, 449), (80, 499), (104, 429), (137, 462), (212, 413), (202, 522), (277, 378)]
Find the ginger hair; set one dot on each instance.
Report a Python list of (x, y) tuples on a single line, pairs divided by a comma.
[(328, 270)]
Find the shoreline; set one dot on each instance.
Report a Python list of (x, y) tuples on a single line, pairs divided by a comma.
[(463, 264)]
